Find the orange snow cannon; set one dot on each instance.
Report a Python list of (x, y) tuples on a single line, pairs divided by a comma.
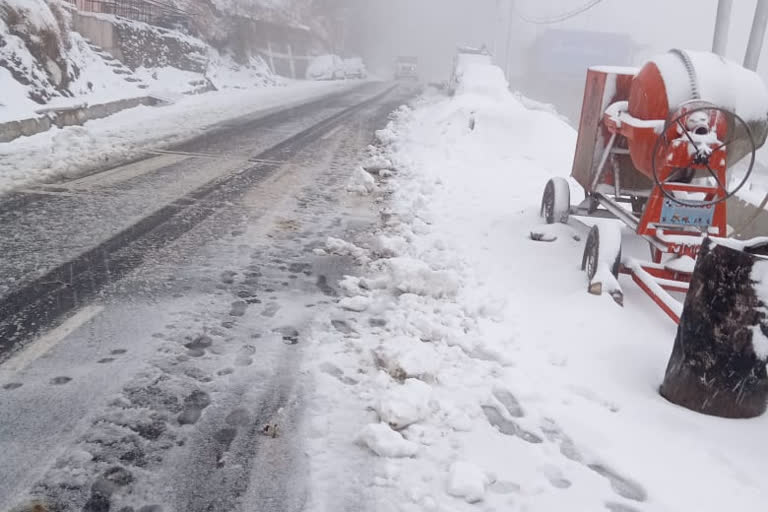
[(661, 149)]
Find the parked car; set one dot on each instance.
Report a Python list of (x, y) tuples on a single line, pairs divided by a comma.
[(326, 67), (406, 68), (355, 68), (464, 58)]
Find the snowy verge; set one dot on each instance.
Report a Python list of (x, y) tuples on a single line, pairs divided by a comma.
[(75, 150), (533, 395)]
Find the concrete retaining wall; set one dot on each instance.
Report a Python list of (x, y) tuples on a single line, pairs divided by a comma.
[(99, 31), (68, 117), (137, 44)]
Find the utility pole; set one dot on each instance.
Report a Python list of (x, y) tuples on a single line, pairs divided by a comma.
[(508, 45), (757, 35), (722, 26)]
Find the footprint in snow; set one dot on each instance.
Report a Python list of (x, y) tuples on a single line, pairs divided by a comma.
[(555, 477), (200, 343), (509, 402), (194, 405), (238, 308), (508, 427), (619, 507), (335, 371), (622, 486), (290, 335), (238, 417), (228, 277), (271, 309), (504, 487), (567, 446), (342, 326)]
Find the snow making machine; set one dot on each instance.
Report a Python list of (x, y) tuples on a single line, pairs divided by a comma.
[(658, 150)]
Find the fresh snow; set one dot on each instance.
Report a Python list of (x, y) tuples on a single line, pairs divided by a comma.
[(541, 397), (405, 404), (361, 182), (759, 336), (97, 82), (74, 150), (385, 442), (721, 82), (467, 481)]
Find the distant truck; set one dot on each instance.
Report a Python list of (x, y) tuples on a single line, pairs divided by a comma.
[(406, 68), (467, 56)]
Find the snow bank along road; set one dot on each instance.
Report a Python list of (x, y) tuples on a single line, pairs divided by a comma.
[(189, 279), (474, 364)]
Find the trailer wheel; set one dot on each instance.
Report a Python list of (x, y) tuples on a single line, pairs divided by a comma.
[(556, 201), (591, 258)]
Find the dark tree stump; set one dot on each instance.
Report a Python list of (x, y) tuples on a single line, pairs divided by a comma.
[(713, 368)]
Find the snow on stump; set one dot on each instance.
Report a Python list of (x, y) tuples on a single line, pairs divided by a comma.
[(385, 442), (467, 481), (718, 363)]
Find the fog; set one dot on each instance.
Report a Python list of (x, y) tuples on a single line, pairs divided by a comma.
[(431, 29)]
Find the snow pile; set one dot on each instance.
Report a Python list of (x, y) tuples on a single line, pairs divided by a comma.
[(405, 404), (225, 73), (484, 349), (385, 442), (361, 182), (483, 79), (467, 481)]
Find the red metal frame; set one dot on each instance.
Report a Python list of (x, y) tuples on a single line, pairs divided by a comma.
[(653, 278)]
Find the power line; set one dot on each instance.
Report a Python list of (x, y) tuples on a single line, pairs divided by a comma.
[(558, 18)]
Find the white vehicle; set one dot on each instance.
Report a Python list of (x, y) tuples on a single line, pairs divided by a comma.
[(326, 67), (355, 68)]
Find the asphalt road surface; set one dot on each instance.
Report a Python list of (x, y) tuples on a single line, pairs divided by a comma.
[(152, 316)]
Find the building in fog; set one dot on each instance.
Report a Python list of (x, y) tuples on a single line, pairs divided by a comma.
[(557, 61)]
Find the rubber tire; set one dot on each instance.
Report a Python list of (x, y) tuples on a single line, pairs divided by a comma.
[(591, 257), (556, 201)]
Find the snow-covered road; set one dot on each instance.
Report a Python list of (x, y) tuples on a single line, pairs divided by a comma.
[(104, 143)]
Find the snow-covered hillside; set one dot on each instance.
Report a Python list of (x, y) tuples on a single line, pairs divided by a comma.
[(468, 368), (44, 63)]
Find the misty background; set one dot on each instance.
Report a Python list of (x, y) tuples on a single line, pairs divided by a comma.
[(431, 30)]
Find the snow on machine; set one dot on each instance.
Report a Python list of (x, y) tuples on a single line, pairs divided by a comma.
[(656, 150)]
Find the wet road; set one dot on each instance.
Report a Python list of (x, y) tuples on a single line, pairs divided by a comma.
[(60, 243), (178, 342)]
